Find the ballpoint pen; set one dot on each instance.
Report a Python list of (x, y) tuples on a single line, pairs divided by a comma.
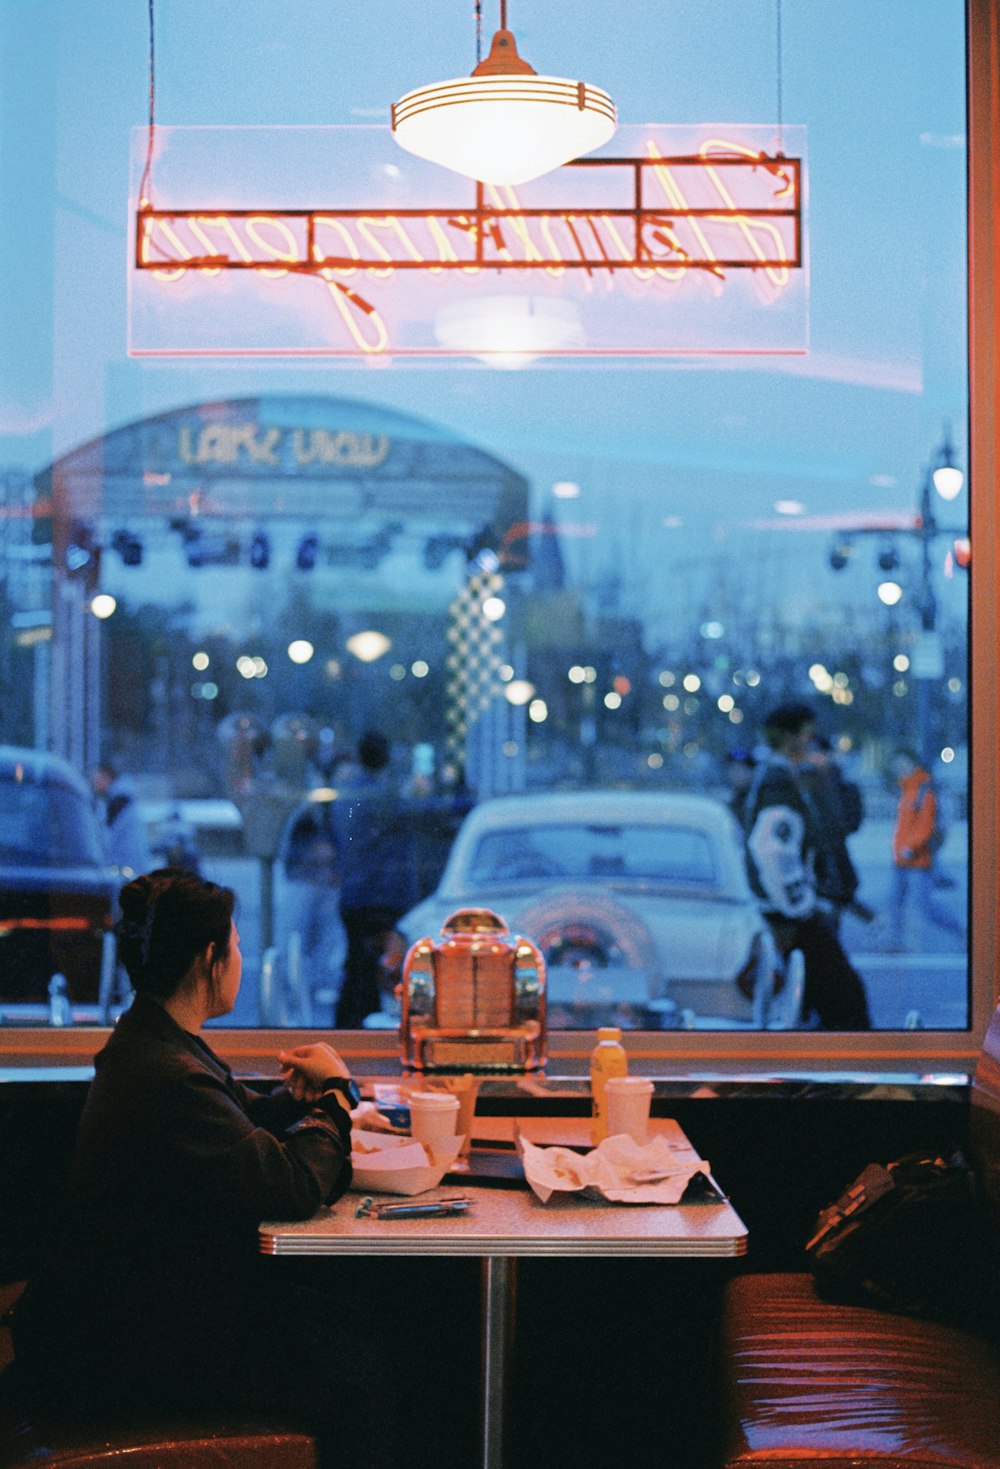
[(428, 1208)]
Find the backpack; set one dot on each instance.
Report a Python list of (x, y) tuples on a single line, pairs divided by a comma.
[(912, 1236)]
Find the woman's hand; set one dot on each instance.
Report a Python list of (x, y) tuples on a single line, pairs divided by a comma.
[(306, 1068)]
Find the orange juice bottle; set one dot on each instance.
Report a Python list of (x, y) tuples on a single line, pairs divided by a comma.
[(608, 1058)]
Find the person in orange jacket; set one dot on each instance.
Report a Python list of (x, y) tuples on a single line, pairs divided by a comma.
[(913, 848)]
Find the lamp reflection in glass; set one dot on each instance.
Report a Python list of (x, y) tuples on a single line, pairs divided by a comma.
[(510, 331), (504, 124)]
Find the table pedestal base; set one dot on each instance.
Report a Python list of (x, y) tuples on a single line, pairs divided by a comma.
[(499, 1288)]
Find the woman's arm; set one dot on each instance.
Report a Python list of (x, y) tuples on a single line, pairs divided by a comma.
[(284, 1173)]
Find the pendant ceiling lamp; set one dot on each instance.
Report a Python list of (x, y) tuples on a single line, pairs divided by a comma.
[(504, 124)]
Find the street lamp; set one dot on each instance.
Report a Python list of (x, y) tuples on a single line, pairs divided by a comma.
[(942, 479), (942, 476), (948, 478)]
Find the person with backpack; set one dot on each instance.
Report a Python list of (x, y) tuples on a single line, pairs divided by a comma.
[(840, 807), (374, 832), (917, 838), (786, 851)]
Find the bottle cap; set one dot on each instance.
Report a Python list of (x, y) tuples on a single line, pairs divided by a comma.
[(609, 1033)]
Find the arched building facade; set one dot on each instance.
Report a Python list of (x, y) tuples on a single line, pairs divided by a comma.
[(339, 488)]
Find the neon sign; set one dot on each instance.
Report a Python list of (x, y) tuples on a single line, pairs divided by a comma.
[(606, 256)]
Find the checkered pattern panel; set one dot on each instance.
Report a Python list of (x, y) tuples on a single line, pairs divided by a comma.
[(475, 654)]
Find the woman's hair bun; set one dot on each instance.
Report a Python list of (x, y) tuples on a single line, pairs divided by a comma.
[(169, 917)]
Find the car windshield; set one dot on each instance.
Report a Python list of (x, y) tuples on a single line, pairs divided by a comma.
[(673, 854), (45, 825)]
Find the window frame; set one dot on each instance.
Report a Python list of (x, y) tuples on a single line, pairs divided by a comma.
[(765, 1052)]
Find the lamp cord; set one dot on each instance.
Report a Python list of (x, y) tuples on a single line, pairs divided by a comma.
[(144, 182), (479, 31)]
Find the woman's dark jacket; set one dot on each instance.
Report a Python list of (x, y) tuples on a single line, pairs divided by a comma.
[(155, 1269)]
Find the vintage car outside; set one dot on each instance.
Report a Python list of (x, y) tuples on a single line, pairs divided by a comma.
[(57, 893), (639, 902)]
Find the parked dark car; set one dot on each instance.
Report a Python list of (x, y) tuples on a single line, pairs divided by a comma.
[(57, 890)]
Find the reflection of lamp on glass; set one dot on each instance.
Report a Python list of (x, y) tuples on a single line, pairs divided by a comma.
[(368, 646), (503, 124), (509, 331)]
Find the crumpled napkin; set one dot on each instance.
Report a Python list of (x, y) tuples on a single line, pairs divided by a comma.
[(618, 1169)]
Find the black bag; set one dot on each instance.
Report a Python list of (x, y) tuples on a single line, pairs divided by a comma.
[(912, 1236)]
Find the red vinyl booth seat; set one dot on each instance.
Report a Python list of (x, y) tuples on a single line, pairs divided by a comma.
[(218, 1445), (812, 1384)]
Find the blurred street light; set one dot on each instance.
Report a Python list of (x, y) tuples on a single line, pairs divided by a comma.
[(368, 646), (103, 605), (943, 478), (519, 691)]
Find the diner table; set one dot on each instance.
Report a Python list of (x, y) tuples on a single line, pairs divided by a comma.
[(508, 1223)]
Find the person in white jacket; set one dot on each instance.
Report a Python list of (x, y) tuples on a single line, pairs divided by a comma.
[(785, 848)]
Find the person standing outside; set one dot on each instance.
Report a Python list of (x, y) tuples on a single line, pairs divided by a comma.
[(738, 774), (125, 838), (374, 835), (839, 805), (914, 842), (785, 849)]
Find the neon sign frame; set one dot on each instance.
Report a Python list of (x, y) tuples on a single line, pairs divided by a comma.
[(480, 229), (474, 263)]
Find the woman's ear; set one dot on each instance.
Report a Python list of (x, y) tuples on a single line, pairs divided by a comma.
[(205, 962)]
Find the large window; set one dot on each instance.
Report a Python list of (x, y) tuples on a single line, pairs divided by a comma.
[(567, 592)]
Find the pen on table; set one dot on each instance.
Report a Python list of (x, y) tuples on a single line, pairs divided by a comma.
[(429, 1208)]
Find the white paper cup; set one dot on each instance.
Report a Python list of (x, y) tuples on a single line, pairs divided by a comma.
[(433, 1118), (629, 1099)]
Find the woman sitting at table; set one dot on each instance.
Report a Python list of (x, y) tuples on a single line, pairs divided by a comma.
[(155, 1297)]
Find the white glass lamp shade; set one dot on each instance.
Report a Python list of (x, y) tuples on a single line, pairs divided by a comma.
[(504, 124)]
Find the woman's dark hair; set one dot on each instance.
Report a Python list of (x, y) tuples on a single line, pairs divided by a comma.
[(169, 917)]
